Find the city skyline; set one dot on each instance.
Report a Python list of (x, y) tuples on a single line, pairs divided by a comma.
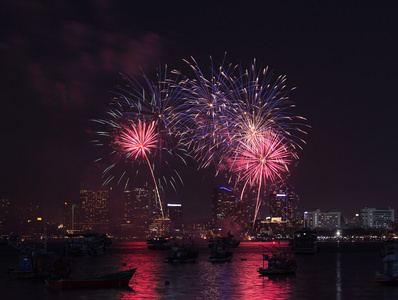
[(63, 60), (104, 208)]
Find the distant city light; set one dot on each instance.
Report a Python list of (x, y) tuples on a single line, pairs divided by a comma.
[(174, 204), (281, 195)]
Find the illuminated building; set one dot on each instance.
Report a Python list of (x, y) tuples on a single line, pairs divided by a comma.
[(174, 212), (281, 203), (323, 220), (140, 212), (144, 210), (376, 217), (224, 205), (330, 220), (93, 211), (128, 207)]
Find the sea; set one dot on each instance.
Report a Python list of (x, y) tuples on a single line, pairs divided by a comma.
[(340, 270)]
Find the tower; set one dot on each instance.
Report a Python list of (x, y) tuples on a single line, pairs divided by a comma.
[(224, 205), (282, 201), (93, 211)]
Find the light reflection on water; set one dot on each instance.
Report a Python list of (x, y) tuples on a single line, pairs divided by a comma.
[(344, 272), (204, 280)]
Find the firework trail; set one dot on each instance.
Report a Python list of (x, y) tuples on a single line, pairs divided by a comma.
[(143, 125)]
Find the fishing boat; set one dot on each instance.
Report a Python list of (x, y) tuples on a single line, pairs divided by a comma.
[(389, 276), (220, 251), (277, 263), (41, 265), (159, 243), (182, 252), (119, 279), (305, 241)]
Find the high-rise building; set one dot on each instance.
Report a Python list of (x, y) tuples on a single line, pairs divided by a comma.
[(376, 217), (325, 220), (330, 220), (141, 209), (282, 203), (144, 210), (224, 205), (128, 207), (71, 216), (174, 212), (311, 218), (93, 214)]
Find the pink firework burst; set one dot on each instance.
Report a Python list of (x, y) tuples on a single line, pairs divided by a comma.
[(137, 141), (259, 160)]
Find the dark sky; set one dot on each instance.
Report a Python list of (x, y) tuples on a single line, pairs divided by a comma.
[(60, 60)]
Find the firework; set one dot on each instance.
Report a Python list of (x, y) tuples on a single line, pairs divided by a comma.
[(243, 122), (207, 101), (143, 125), (261, 160), (236, 119)]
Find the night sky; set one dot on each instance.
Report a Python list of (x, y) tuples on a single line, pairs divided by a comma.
[(60, 60)]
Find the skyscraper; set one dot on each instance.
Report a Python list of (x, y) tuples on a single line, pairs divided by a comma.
[(174, 212), (128, 207), (144, 209), (282, 201), (224, 205), (93, 210), (71, 212)]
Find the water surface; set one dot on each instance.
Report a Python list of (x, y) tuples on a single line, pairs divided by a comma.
[(338, 271)]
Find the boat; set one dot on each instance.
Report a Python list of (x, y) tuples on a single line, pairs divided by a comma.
[(305, 241), (118, 279), (389, 276), (182, 252), (278, 262), (88, 244), (220, 251), (228, 240), (159, 243), (41, 265)]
